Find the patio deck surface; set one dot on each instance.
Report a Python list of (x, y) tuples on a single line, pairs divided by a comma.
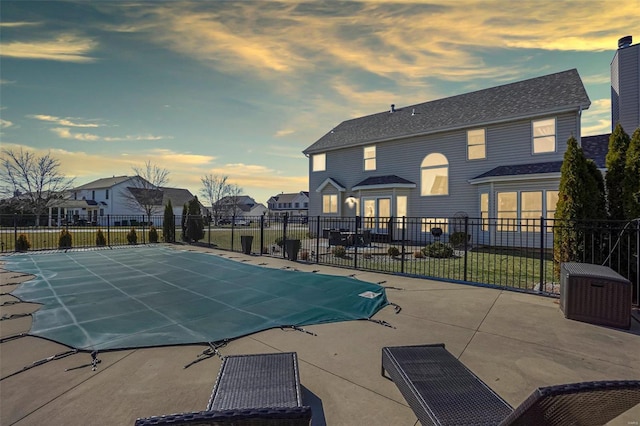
[(514, 342)]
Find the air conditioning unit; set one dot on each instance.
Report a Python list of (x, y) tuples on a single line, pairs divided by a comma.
[(595, 294)]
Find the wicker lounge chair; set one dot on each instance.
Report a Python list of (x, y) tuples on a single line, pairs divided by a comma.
[(442, 391), (251, 390)]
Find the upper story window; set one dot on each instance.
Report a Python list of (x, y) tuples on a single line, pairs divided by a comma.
[(370, 157), (330, 203), (319, 162), (544, 136), (434, 173), (106, 194), (476, 144), (93, 195)]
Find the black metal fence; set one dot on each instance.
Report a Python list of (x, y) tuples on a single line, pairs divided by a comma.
[(514, 253)]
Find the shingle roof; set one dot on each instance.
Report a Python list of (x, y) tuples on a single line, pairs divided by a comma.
[(596, 148), (549, 93), (523, 169), (384, 180), (105, 182), (178, 196)]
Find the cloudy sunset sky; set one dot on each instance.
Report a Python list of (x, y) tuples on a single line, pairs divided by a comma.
[(240, 88)]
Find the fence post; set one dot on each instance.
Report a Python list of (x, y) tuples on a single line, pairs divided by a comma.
[(466, 245), (355, 243), (543, 232), (144, 230), (15, 232), (318, 240), (402, 238), (262, 234), (209, 232), (284, 233), (233, 225), (108, 230)]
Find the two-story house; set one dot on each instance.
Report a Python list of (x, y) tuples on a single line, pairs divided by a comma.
[(493, 153), (238, 206), (294, 204), (120, 197)]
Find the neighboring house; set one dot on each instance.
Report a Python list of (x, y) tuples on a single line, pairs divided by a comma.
[(493, 153), (120, 197), (239, 206), (293, 204)]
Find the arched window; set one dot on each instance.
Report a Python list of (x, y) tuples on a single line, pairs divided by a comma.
[(434, 173)]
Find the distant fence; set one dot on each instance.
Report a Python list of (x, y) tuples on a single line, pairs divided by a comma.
[(513, 253)]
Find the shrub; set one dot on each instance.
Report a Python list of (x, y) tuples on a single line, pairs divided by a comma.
[(304, 255), (132, 236), (279, 241), (393, 251), (169, 224), (438, 250), (65, 240), (418, 254), (339, 251), (457, 239), (153, 235), (22, 243), (100, 238)]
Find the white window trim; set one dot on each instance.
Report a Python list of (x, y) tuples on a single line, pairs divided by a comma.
[(365, 158), (313, 162), (439, 166), (484, 143), (555, 135)]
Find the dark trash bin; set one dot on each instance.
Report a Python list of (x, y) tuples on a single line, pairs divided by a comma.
[(292, 247), (245, 242)]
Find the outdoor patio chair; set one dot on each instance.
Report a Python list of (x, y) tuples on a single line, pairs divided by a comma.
[(442, 391), (262, 390), (336, 238)]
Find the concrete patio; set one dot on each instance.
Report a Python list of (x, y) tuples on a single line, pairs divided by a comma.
[(515, 342)]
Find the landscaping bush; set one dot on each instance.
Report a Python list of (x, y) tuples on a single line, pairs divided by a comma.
[(101, 240), (153, 235), (438, 250), (304, 255), (393, 251), (132, 236), (457, 239), (279, 241), (22, 243), (65, 240), (339, 251)]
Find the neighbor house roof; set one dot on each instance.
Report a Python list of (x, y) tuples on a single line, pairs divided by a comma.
[(289, 197), (178, 196), (552, 93), (105, 182), (596, 148)]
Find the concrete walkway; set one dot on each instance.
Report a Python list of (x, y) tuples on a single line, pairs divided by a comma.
[(514, 342)]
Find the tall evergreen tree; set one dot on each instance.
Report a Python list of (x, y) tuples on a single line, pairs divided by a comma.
[(195, 221), (183, 222), (597, 205), (580, 198), (615, 162), (631, 182), (169, 225)]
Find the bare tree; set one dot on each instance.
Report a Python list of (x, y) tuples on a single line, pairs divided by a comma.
[(36, 180), (145, 191), (214, 189), (235, 192)]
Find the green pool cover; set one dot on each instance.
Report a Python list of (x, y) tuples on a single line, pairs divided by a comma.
[(156, 296)]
